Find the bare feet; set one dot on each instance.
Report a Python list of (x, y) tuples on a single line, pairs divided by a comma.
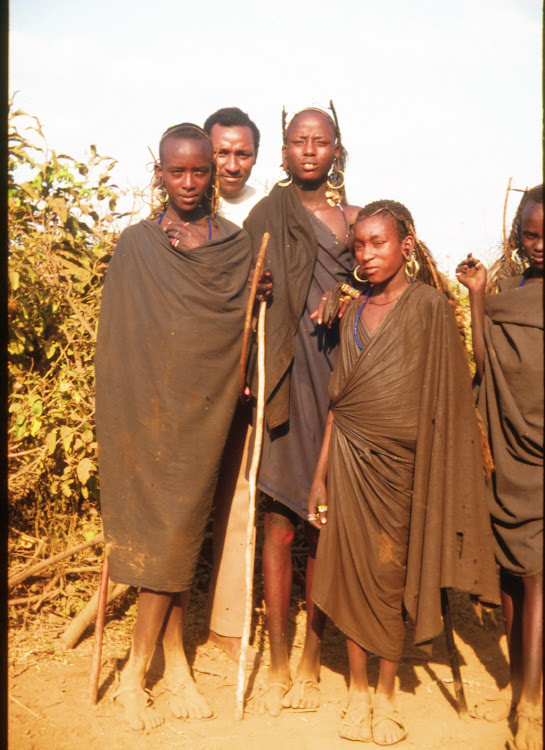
[(136, 703), (529, 734), (268, 698), (386, 723), (303, 694), (231, 646), (356, 718), (186, 702)]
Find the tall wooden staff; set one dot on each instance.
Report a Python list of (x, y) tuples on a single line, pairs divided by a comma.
[(256, 455)]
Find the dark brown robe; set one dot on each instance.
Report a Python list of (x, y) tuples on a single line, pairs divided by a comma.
[(511, 402), (307, 259), (168, 346), (406, 492)]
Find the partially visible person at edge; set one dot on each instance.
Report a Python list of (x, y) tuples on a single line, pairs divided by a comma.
[(308, 220), (166, 388), (507, 327), (235, 139), (399, 489)]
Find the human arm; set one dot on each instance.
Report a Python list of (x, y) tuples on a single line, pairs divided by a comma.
[(472, 274), (318, 490)]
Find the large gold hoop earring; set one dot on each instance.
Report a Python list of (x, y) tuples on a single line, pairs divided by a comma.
[(332, 180), (285, 181), (412, 268), (355, 275)]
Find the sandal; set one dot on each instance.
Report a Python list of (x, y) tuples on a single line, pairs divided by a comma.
[(533, 717), (261, 696), (296, 694), (386, 711), (492, 709), (356, 722)]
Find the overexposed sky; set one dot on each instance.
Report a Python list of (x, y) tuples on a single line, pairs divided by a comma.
[(439, 102)]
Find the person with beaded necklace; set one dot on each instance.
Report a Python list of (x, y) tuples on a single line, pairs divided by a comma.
[(168, 346), (507, 326), (399, 488), (308, 219)]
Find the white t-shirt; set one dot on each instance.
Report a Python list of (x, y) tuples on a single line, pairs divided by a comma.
[(237, 209)]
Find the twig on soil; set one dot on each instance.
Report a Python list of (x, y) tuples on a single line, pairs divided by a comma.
[(18, 578), (30, 711)]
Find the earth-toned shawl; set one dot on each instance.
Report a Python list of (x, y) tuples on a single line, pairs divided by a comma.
[(511, 402), (168, 345), (406, 491), (291, 255)]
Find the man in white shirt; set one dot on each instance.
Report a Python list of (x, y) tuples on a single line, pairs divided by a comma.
[(236, 142)]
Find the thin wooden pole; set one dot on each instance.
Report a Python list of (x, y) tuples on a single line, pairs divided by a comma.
[(453, 656), (250, 538), (99, 632), (260, 262)]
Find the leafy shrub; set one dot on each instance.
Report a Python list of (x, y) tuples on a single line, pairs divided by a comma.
[(62, 229)]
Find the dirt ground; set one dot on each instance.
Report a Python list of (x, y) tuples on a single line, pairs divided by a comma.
[(48, 706)]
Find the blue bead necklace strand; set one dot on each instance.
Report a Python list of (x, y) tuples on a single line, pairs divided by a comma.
[(358, 316)]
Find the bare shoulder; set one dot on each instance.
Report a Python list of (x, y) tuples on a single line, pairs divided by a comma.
[(351, 213)]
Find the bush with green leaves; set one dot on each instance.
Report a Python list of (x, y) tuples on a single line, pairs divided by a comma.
[(62, 229)]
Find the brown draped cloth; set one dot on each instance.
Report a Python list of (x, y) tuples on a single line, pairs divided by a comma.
[(307, 259), (169, 340), (406, 492), (511, 402)]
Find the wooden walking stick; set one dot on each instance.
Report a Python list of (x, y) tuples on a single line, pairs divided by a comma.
[(99, 632), (256, 455), (453, 656), (260, 262)]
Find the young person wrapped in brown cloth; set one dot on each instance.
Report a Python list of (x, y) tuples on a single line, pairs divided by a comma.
[(403, 513), (507, 326), (167, 356), (308, 220)]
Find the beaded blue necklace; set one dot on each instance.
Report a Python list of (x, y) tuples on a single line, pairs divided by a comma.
[(358, 316)]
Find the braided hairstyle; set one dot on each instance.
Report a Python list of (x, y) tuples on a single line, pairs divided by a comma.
[(427, 272), (185, 131), (513, 260), (341, 159)]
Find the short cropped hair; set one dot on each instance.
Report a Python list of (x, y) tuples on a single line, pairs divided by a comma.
[(231, 117)]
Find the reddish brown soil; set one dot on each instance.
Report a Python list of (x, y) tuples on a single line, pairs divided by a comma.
[(48, 707)]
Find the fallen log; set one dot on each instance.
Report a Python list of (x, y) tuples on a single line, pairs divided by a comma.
[(88, 614)]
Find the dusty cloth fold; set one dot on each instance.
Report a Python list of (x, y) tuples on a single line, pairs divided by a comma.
[(291, 254), (406, 493), (168, 345), (290, 451), (511, 402)]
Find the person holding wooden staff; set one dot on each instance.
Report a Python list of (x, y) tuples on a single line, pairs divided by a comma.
[(399, 489), (507, 327), (308, 221), (166, 389)]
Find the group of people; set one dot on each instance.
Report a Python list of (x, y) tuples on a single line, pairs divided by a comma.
[(372, 436)]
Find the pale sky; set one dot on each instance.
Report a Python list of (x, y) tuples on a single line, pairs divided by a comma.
[(439, 102)]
